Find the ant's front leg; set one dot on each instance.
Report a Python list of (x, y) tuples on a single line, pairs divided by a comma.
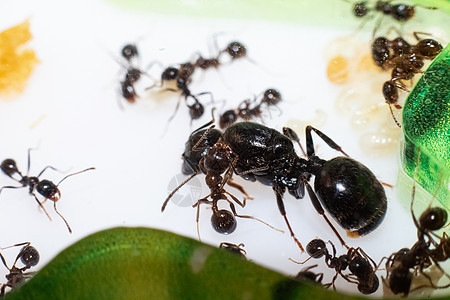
[(324, 137)]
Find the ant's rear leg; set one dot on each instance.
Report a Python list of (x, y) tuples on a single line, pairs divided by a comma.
[(324, 137)]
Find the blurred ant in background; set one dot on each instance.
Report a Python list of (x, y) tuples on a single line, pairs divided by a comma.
[(29, 256)]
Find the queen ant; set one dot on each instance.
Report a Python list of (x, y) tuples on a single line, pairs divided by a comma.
[(245, 110), (29, 256), (258, 153), (361, 266), (45, 187), (403, 265)]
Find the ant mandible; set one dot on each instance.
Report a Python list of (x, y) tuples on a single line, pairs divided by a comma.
[(44, 187), (29, 256), (256, 152)]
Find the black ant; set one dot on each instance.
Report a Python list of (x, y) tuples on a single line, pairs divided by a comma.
[(309, 276), (405, 60), (403, 265), (245, 110), (399, 12), (29, 256), (356, 260), (233, 248), (256, 152), (44, 187)]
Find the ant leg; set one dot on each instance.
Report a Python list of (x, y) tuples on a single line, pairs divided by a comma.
[(10, 187), (233, 210), (41, 206), (319, 209), (393, 117), (240, 188), (176, 189), (4, 262), (67, 224), (413, 193), (279, 196), (290, 133), (325, 138), (200, 201), (252, 170), (207, 93)]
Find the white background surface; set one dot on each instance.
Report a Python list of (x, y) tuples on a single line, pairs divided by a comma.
[(74, 90)]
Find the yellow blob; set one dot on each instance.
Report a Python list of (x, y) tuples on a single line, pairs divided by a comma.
[(16, 62), (337, 70)]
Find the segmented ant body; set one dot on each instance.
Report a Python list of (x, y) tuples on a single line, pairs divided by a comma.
[(29, 256), (132, 73), (403, 265), (248, 110), (361, 266), (348, 190), (46, 188), (405, 60)]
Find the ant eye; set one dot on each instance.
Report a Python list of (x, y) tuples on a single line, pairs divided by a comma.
[(316, 248), (129, 52), (9, 166), (433, 218), (30, 256), (223, 221)]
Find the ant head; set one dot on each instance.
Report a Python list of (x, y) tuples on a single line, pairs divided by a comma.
[(271, 97), (169, 74), (9, 167), (236, 50), (227, 118), (217, 159), (49, 190), (428, 48), (360, 267), (370, 286), (130, 51), (29, 256), (223, 221), (128, 91), (196, 110), (316, 248), (360, 9), (402, 12), (433, 218)]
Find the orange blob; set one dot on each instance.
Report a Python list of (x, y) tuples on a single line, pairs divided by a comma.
[(338, 70), (16, 61)]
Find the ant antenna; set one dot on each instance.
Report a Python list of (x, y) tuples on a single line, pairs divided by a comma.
[(88, 169)]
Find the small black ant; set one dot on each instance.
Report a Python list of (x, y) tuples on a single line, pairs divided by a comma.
[(44, 187), (309, 276), (356, 260), (29, 256), (399, 12), (256, 152), (245, 110), (233, 248), (403, 265), (405, 60)]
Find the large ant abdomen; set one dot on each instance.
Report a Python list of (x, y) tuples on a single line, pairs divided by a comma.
[(352, 195)]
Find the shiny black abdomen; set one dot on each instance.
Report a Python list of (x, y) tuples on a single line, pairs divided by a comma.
[(351, 193)]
